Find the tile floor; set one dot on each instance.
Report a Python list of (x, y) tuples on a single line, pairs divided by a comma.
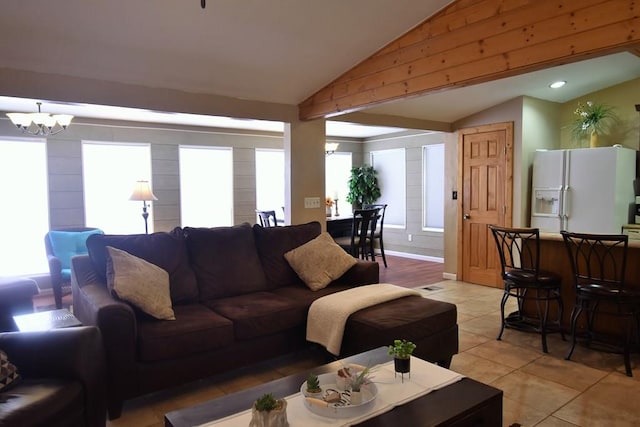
[(539, 389)]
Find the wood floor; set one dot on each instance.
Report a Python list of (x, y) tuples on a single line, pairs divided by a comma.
[(410, 273)]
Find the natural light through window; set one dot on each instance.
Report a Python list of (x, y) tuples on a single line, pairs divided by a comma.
[(24, 217), (390, 166), (433, 186), (110, 171), (206, 186), (270, 181), (337, 173)]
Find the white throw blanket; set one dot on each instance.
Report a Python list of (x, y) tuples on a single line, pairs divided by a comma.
[(328, 315)]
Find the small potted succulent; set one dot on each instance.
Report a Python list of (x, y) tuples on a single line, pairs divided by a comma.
[(313, 386), (401, 351), (267, 411)]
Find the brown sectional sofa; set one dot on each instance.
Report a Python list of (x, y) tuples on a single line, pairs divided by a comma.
[(236, 302)]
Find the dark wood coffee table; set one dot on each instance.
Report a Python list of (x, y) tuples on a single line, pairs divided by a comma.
[(464, 403)]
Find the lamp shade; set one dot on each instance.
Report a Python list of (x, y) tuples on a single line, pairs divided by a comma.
[(330, 147), (142, 191)]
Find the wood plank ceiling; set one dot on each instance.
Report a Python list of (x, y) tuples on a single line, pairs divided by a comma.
[(475, 41)]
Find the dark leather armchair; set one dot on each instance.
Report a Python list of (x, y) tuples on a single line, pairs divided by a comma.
[(60, 247), (63, 378)]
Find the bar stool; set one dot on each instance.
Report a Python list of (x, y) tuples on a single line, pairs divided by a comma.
[(519, 250), (599, 264)]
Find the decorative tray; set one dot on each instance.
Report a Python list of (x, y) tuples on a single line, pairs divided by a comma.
[(335, 402)]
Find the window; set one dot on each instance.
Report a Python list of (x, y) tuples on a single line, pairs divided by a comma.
[(433, 186), (270, 181), (206, 186), (110, 171), (337, 174), (390, 166), (24, 217)]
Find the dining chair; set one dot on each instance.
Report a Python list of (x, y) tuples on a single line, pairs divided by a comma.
[(363, 226), (377, 234), (519, 251), (267, 218), (598, 262), (60, 246)]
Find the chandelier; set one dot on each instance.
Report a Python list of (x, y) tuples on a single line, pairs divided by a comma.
[(40, 123)]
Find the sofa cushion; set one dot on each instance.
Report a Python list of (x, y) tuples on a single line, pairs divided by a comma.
[(196, 329), (140, 283), (225, 261), (412, 318), (259, 314), (319, 261), (274, 242), (166, 250), (303, 296)]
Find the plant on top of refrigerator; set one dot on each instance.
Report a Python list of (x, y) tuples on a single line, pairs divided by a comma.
[(591, 118)]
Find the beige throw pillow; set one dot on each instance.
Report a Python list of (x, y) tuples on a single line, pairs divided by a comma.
[(140, 283), (319, 261)]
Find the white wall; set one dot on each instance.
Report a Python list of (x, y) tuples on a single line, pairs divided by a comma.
[(429, 244)]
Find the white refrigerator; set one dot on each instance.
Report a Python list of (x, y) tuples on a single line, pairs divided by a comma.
[(585, 190)]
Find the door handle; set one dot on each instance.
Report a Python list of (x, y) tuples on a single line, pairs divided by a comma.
[(466, 216)]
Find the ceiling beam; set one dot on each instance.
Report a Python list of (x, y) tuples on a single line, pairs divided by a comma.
[(393, 121), (476, 41)]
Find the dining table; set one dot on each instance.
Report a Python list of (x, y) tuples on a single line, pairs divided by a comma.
[(339, 226)]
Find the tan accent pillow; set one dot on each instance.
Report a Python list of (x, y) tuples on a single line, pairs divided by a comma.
[(140, 283), (319, 261)]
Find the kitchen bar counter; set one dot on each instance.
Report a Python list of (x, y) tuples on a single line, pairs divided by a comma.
[(554, 258)]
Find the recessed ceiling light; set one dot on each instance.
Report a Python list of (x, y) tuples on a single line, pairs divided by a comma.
[(558, 84)]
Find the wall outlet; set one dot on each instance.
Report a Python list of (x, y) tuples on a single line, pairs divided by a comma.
[(311, 202), (410, 237)]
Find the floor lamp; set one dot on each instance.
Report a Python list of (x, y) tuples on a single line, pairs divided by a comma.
[(142, 191)]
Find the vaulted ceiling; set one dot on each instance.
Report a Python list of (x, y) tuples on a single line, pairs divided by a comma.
[(271, 55)]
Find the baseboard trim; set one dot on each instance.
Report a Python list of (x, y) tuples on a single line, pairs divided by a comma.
[(414, 256), (450, 276)]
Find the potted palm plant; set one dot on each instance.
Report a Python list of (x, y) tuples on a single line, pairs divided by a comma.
[(267, 411), (363, 186), (401, 350)]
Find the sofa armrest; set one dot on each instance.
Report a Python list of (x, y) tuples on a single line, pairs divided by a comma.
[(94, 305), (363, 273), (72, 353)]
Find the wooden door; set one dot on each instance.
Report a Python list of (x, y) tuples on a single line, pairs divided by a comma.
[(487, 179)]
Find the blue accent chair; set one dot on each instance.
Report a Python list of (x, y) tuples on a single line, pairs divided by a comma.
[(61, 245)]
